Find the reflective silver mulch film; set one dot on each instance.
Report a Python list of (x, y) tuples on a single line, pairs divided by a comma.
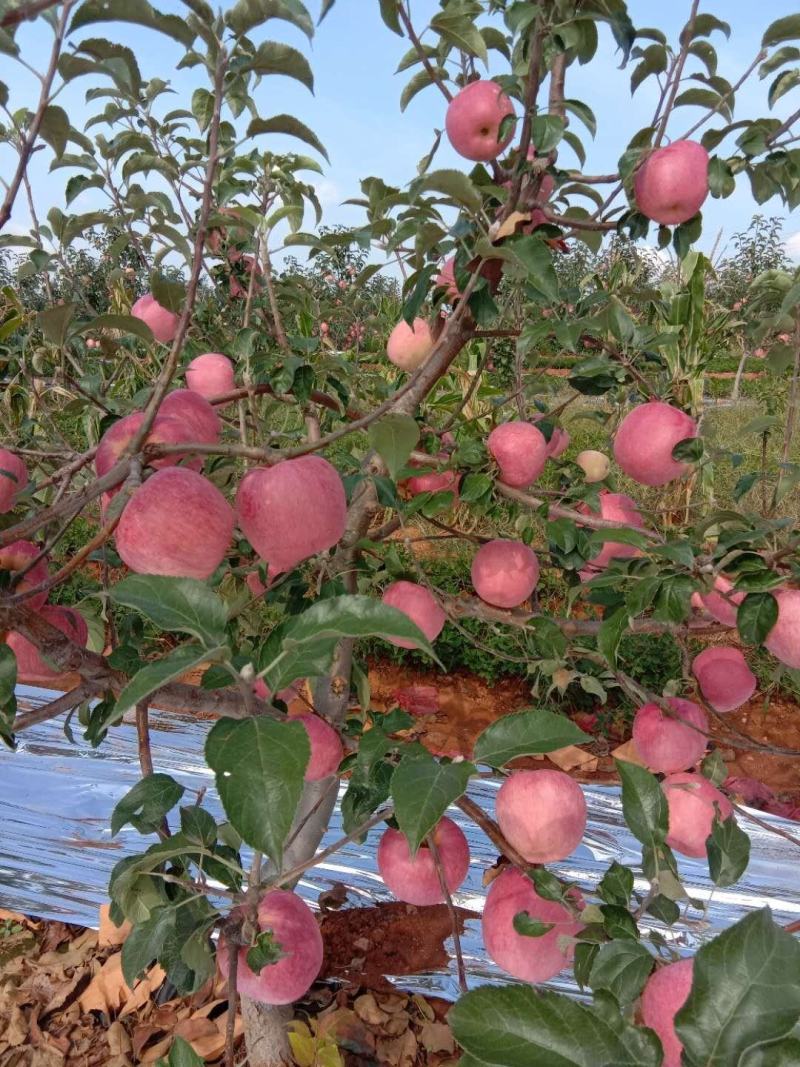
[(56, 849)]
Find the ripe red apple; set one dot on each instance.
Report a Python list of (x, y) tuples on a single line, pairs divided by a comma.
[(296, 932), (327, 751), (163, 323), (474, 118), (435, 482), (520, 451), (783, 640), (13, 478), (195, 412), (31, 666), (645, 439), (176, 523), (663, 996), (691, 801), (414, 879), (210, 375), (420, 606), (665, 743), (446, 279), (595, 465), (292, 511), (505, 573), (721, 604), (542, 814), (409, 347), (724, 678), (558, 443), (619, 508), (672, 183), (166, 429), (531, 959), (15, 557)]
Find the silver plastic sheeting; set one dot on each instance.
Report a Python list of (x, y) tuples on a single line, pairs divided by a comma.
[(56, 849)]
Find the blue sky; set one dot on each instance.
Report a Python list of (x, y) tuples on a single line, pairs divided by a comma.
[(355, 109)]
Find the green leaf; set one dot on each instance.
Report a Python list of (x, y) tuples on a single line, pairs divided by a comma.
[(621, 967), (461, 31), (169, 293), (265, 951), (785, 81), (745, 992), (785, 29), (391, 19), (422, 790), (643, 804), (289, 125), (788, 54), (610, 634), (451, 183), (136, 11), (203, 107), (394, 437), (271, 57), (537, 259), (78, 183), (259, 766), (526, 733), (616, 885), (54, 322), (183, 604), (353, 616), (172, 935), (519, 1026), (245, 15), (755, 617), (154, 675), (8, 702), (728, 850), (55, 128), (528, 927), (181, 1054), (145, 805), (124, 323), (421, 80)]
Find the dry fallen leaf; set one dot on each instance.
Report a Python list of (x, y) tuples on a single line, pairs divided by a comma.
[(571, 757), (109, 993), (629, 753), (366, 1008), (437, 1037), (109, 935)]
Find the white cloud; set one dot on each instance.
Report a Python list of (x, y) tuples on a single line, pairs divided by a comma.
[(793, 245), (328, 193)]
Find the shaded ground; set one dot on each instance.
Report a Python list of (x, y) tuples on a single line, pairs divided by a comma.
[(64, 1003)]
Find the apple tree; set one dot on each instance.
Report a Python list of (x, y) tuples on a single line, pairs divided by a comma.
[(230, 484)]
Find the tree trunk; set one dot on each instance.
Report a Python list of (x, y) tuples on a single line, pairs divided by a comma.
[(265, 1026), (737, 381), (265, 1034)]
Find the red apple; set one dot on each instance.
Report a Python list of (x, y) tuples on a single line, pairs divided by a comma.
[(783, 640), (671, 185), (292, 511), (619, 508), (296, 932), (531, 959), (474, 118), (692, 802), (669, 744), (210, 375), (163, 323), (505, 573), (542, 814), (177, 523), (520, 451), (195, 411), (721, 603), (420, 606), (645, 439), (664, 995), (15, 557), (446, 279), (409, 347), (414, 879), (724, 678), (327, 751), (32, 669), (13, 478)]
